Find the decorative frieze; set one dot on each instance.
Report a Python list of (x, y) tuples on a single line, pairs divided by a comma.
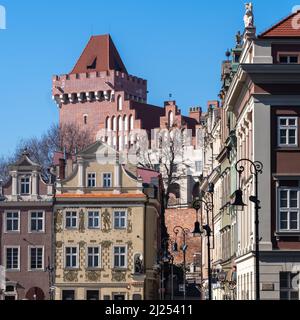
[(93, 276), (118, 276), (70, 276)]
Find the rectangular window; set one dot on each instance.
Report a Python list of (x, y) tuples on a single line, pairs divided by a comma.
[(94, 220), (37, 221), (120, 220), (36, 258), (288, 131), (94, 257), (25, 185), (120, 259), (288, 59), (289, 210), (92, 295), (12, 258), (71, 257), (12, 222), (68, 295), (198, 166), (71, 220), (107, 180), (289, 287), (91, 180)]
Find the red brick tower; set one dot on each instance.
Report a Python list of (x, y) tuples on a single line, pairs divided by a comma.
[(100, 94)]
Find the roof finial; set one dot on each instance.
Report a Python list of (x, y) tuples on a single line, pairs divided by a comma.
[(26, 152)]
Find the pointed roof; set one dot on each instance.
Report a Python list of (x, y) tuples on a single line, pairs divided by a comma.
[(288, 27), (24, 161), (100, 54)]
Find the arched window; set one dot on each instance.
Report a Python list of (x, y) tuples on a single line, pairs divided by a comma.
[(114, 124), (108, 124), (131, 120), (120, 124), (171, 118), (125, 123), (120, 103)]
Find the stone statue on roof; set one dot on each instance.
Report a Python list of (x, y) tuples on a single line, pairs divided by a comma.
[(249, 16)]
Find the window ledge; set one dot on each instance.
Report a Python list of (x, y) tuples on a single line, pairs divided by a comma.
[(120, 269), (287, 234), (291, 149), (94, 269)]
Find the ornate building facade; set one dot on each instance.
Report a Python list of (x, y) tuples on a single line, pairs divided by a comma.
[(107, 229), (26, 214)]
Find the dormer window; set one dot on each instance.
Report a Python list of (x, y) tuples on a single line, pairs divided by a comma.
[(288, 59), (25, 185)]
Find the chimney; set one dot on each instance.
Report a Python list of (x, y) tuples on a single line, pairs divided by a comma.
[(196, 113), (62, 169)]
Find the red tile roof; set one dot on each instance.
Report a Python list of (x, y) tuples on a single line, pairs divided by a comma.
[(100, 195), (147, 174), (99, 55), (288, 27)]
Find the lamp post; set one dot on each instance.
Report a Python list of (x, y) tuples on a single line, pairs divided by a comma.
[(256, 168), (185, 232), (164, 258), (208, 206), (50, 269)]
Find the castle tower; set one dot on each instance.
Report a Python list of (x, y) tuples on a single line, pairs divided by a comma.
[(100, 95)]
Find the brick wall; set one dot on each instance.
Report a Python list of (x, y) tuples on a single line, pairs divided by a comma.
[(185, 218)]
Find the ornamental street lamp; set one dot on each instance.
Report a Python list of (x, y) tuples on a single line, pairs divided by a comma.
[(208, 206), (256, 168), (50, 269), (184, 247)]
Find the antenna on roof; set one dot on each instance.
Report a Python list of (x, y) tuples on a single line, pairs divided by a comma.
[(170, 96)]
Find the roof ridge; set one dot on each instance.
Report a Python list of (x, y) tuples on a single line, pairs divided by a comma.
[(269, 29)]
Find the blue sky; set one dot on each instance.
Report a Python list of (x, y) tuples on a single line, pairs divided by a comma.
[(176, 45)]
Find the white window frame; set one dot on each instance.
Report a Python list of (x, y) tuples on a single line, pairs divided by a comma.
[(111, 180), (88, 219), (5, 222), (126, 219), (99, 255), (29, 221), (87, 179), (29, 258), (20, 185), (126, 256), (288, 210), (288, 55), (5, 258), (287, 128), (65, 220), (77, 257), (289, 290)]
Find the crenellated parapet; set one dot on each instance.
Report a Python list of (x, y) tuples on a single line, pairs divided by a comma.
[(97, 86)]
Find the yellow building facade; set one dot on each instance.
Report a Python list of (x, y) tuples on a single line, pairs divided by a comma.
[(106, 230)]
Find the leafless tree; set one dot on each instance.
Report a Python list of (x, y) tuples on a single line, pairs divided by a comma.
[(67, 138), (167, 154)]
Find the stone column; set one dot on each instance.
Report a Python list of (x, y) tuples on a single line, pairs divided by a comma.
[(14, 175), (81, 180), (34, 183), (117, 178)]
